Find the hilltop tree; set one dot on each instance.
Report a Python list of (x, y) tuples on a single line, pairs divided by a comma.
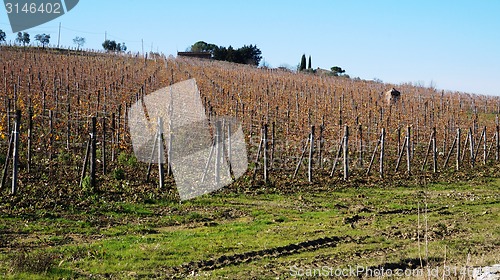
[(44, 39), (199, 46), (231, 56), (112, 46), (23, 38), (121, 47), (109, 45), (202, 46), (302, 65), (337, 71), (220, 53), (2, 36), (26, 38), (19, 38), (310, 65), (79, 42), (248, 54)]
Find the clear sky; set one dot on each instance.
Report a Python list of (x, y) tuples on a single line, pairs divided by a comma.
[(453, 44)]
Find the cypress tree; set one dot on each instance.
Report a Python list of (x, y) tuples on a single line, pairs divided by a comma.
[(302, 63), (310, 65)]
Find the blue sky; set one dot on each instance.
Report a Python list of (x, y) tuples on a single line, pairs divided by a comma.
[(453, 44)]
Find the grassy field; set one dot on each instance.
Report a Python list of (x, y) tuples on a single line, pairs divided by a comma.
[(237, 235)]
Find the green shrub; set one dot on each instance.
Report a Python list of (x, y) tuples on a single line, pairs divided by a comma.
[(86, 186), (119, 174), (132, 161), (126, 159), (122, 158), (63, 156)]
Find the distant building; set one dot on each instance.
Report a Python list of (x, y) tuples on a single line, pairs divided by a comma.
[(392, 96), (205, 55)]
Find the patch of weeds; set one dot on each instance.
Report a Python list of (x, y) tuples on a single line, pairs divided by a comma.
[(86, 185), (63, 156), (98, 153), (118, 174), (34, 262), (132, 161), (251, 166), (126, 159), (122, 158)]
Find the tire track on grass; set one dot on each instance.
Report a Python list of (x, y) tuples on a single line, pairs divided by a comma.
[(276, 252)]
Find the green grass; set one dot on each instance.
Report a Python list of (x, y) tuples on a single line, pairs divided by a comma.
[(124, 240)]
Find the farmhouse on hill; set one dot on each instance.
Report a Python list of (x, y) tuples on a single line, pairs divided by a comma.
[(392, 96)]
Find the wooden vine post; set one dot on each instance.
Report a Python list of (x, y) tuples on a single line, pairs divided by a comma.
[(471, 148), (262, 149), (431, 148), (15, 152), (113, 136), (311, 152), (339, 153), (51, 134), (408, 149), (30, 138), (68, 127), (85, 161), (360, 152), (382, 153), (380, 143), (346, 153), (103, 145), (497, 143), (405, 147), (320, 146), (434, 151), (161, 174), (264, 141), (218, 151), (230, 150), (485, 146), (273, 142), (457, 161), (93, 157)]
